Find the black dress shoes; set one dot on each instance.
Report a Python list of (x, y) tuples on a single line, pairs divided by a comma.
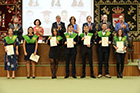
[(92, 76), (83, 76), (66, 76), (74, 77)]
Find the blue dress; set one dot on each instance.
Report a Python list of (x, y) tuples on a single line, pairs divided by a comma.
[(30, 48), (10, 61), (75, 28)]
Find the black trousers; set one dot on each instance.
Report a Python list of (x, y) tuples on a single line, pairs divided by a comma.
[(120, 61), (87, 51), (103, 55), (70, 53)]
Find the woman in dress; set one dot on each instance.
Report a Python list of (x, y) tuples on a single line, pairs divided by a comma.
[(120, 53), (38, 30), (54, 53), (10, 59), (76, 26), (30, 46)]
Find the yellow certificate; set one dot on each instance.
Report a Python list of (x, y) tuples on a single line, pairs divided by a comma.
[(87, 40), (53, 42), (104, 41), (34, 58), (10, 50), (120, 45), (70, 43)]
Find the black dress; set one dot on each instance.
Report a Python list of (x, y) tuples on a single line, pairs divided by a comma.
[(54, 52), (30, 48)]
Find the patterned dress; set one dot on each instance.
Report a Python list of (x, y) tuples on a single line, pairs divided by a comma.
[(10, 61)]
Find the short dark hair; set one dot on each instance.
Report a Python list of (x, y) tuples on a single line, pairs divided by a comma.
[(118, 32), (85, 25), (37, 20), (88, 17), (70, 25), (73, 18), (32, 29)]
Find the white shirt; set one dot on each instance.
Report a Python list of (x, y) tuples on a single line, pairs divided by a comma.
[(103, 32), (89, 24), (70, 33), (16, 25), (85, 34), (120, 38)]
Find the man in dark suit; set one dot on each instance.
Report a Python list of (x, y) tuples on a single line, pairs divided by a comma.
[(70, 52), (109, 24), (17, 28), (103, 51), (60, 26), (91, 25), (87, 50)]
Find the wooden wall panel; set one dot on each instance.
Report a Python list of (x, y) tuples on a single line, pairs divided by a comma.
[(43, 51), (45, 71), (136, 49)]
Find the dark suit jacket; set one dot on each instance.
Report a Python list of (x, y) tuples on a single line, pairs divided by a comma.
[(85, 46), (63, 29), (109, 25), (19, 32), (93, 30)]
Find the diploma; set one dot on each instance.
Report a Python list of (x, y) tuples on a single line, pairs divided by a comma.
[(70, 43), (104, 41), (53, 42), (34, 58), (120, 45), (10, 50), (87, 40)]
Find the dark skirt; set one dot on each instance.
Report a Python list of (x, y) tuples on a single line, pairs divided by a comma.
[(30, 48), (54, 52)]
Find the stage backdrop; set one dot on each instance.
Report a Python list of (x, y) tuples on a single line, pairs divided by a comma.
[(130, 9), (8, 9), (47, 10), (113, 8)]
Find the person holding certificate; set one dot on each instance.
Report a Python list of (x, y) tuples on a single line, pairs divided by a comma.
[(11, 43), (103, 41), (55, 41), (38, 30), (30, 45), (87, 41), (70, 41), (120, 44)]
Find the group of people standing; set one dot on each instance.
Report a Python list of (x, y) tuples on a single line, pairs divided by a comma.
[(34, 35)]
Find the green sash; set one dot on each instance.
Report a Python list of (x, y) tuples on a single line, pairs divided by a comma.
[(117, 39), (32, 40), (100, 34), (89, 34), (67, 35), (10, 41), (58, 38)]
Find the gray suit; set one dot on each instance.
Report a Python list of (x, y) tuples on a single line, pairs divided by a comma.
[(18, 32)]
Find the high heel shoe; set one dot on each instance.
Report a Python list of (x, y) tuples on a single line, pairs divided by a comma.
[(28, 77), (118, 75), (121, 76), (8, 77), (13, 77), (33, 77)]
